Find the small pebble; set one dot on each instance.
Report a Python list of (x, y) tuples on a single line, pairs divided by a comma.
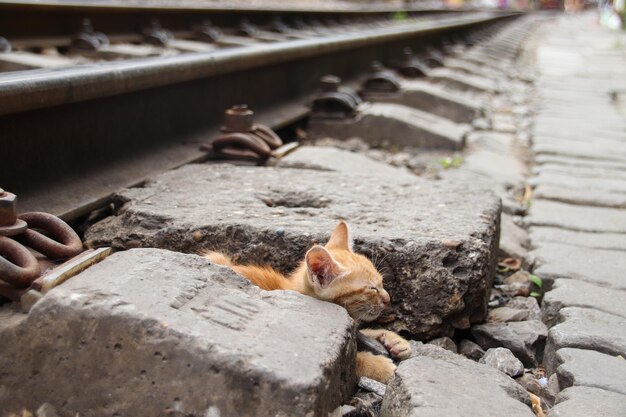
[(280, 231)]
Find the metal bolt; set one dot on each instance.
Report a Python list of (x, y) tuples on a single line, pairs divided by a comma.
[(376, 66), (8, 208), (238, 118), (330, 83)]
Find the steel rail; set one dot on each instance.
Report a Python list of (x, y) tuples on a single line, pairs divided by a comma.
[(195, 6), (28, 90)]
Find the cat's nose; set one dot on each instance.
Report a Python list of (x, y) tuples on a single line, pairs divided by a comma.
[(385, 296)]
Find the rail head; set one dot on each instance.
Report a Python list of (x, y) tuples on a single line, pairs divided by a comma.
[(33, 89)]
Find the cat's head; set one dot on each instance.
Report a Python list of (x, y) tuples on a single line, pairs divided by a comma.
[(343, 277)]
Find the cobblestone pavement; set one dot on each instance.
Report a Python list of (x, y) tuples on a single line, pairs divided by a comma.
[(577, 221)]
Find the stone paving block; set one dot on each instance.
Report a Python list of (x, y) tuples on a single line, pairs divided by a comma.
[(575, 293), (434, 241), (585, 196), (585, 328), (148, 330), (494, 155), (564, 166), (513, 239), (567, 216), (581, 183), (393, 124), (587, 402), (326, 158), (598, 266), (526, 339), (440, 383), (432, 98), (609, 153), (588, 368), (573, 163), (542, 235)]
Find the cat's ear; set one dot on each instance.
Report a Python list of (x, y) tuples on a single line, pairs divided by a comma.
[(340, 238), (323, 269)]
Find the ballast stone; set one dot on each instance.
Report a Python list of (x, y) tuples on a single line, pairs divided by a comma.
[(149, 332), (434, 241)]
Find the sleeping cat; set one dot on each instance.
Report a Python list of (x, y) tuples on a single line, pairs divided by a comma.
[(336, 274)]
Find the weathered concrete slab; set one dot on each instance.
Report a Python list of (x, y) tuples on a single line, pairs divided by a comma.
[(587, 368), (437, 383), (152, 332), (575, 293), (541, 235), (326, 158), (526, 339), (393, 124), (586, 402), (434, 241), (598, 266), (585, 196), (567, 216), (432, 98), (584, 328), (460, 81)]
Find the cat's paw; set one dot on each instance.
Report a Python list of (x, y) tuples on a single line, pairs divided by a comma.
[(397, 346), (376, 367)]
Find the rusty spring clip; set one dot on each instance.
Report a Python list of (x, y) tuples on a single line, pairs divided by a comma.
[(241, 138), (18, 266)]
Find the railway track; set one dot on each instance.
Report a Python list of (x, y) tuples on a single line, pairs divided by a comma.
[(95, 98), (108, 143)]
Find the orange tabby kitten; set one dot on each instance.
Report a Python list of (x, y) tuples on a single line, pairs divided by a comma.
[(336, 274)]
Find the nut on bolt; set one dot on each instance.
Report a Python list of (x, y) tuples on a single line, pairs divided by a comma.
[(9, 223)]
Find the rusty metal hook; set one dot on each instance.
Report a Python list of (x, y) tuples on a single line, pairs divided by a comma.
[(242, 138), (63, 242), (268, 135), (236, 144), (18, 266)]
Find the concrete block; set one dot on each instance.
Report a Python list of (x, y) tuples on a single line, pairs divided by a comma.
[(434, 241), (393, 124), (149, 332)]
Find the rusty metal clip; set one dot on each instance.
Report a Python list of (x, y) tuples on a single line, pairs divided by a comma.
[(246, 28), (434, 58), (5, 45), (206, 32), (277, 25), (63, 242), (242, 138), (154, 34), (381, 80), (18, 266), (410, 66), (334, 102), (88, 39)]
